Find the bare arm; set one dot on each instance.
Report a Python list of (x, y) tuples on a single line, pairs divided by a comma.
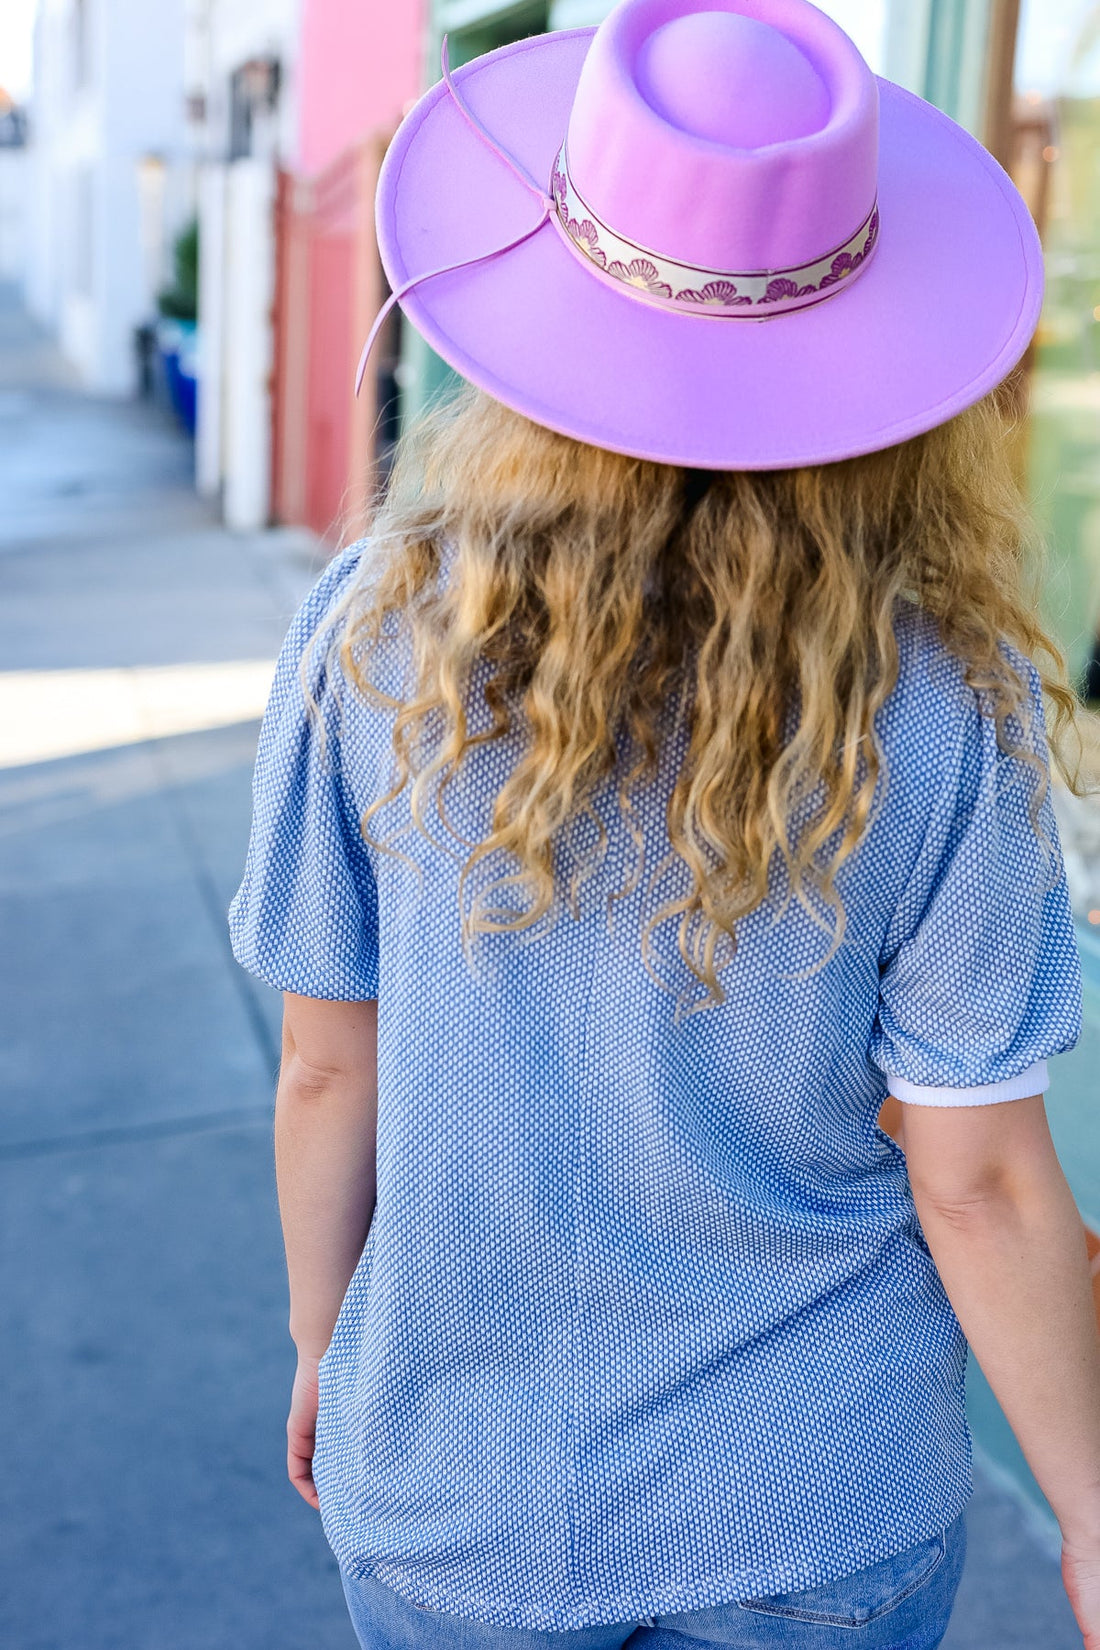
[(326, 1109), (325, 1116), (1009, 1244)]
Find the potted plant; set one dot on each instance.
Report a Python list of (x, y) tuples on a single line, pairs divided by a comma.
[(177, 327)]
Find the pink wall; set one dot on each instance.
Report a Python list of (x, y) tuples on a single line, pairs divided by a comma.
[(361, 62)]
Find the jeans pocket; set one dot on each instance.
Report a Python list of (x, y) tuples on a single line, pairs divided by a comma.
[(855, 1599)]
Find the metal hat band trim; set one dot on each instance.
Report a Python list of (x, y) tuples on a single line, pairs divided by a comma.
[(755, 294)]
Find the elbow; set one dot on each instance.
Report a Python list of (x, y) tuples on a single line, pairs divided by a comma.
[(961, 1210), (997, 1199), (305, 1083)]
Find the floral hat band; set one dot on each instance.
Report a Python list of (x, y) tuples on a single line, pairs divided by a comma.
[(735, 293)]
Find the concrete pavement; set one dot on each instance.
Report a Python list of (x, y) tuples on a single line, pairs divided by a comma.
[(146, 1361)]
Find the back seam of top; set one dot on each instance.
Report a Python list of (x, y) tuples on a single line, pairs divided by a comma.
[(573, 1498)]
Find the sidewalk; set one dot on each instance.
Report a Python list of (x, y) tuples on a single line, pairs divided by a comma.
[(147, 1360)]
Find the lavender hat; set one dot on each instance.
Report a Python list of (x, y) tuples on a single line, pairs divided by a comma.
[(706, 234)]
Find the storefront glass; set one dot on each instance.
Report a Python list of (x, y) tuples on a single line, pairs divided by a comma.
[(1056, 162), (1054, 156)]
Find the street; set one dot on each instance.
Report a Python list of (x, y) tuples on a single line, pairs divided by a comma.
[(147, 1362)]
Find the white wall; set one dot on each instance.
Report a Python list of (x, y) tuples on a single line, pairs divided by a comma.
[(237, 241), (247, 365), (14, 173), (48, 156), (209, 460), (223, 35), (90, 276)]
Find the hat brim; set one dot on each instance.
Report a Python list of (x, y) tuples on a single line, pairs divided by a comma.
[(943, 311)]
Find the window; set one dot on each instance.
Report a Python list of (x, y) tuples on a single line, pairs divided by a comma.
[(511, 23), (253, 100), (1054, 156)]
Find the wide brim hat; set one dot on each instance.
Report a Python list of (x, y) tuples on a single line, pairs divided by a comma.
[(708, 236)]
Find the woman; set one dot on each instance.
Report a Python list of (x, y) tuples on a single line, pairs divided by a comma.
[(662, 786)]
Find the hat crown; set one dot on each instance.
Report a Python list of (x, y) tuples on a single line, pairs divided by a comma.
[(739, 135), (732, 80)]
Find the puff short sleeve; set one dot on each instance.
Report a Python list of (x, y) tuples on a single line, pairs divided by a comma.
[(305, 917), (979, 978)]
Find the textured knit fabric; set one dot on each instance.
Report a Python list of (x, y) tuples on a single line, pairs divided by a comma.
[(645, 1321)]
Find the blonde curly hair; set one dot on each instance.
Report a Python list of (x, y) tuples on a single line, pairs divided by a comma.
[(598, 589)]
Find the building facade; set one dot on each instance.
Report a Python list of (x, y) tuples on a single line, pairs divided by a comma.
[(292, 104), (14, 161), (241, 98), (359, 70), (107, 179)]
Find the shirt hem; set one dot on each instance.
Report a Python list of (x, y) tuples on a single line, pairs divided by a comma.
[(729, 1587), (303, 985)]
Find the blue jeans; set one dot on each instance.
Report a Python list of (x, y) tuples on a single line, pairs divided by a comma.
[(903, 1602)]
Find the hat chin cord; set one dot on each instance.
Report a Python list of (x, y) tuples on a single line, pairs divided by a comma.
[(549, 205)]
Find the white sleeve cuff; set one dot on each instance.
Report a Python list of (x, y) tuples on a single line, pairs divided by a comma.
[(1035, 1080)]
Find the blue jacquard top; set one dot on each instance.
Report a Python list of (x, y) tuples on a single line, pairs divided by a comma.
[(646, 1321)]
